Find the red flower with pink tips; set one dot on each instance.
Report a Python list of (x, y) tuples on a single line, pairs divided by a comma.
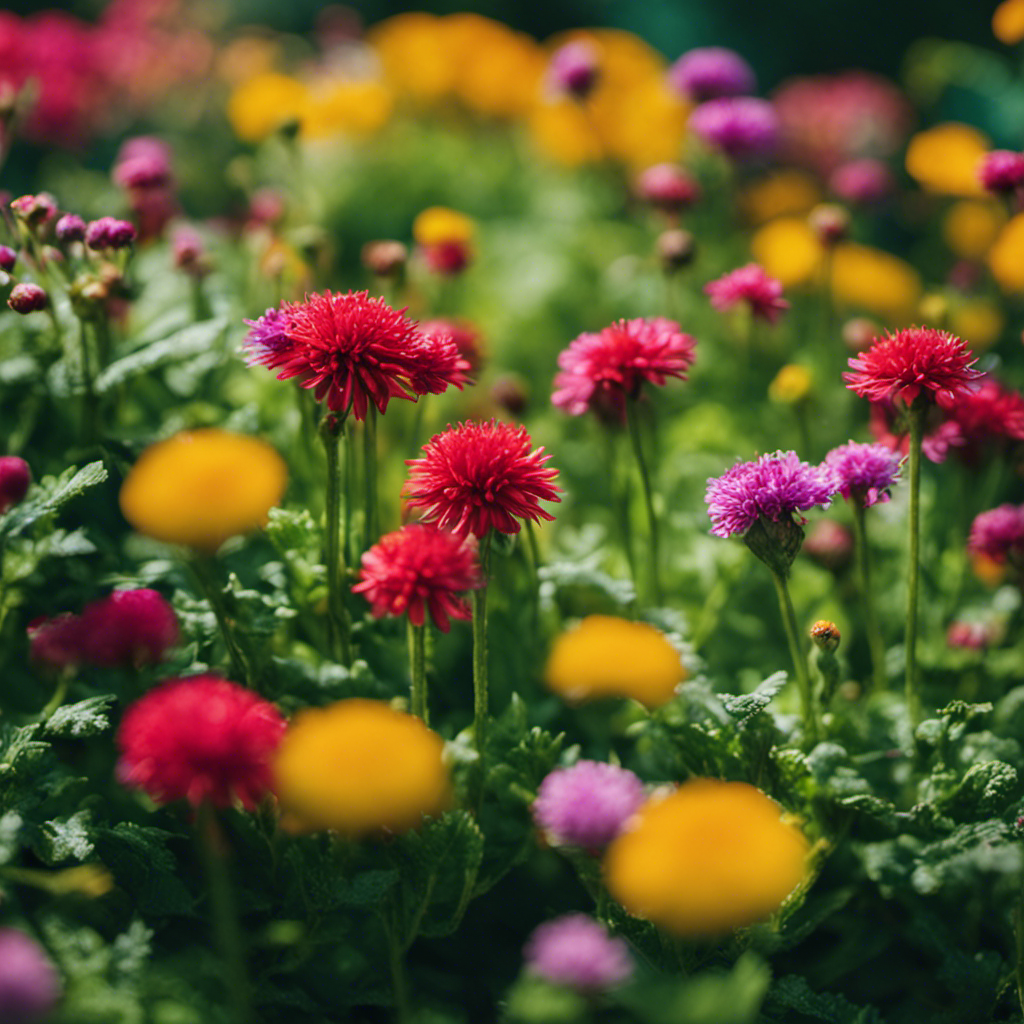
[(417, 569), (912, 362), (601, 371), (749, 284), (481, 476), (201, 739)]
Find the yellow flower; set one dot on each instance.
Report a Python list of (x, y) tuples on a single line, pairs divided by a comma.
[(359, 766), (1006, 257), (261, 105), (711, 857), (609, 657), (641, 124), (782, 193), (438, 225), (944, 159), (792, 384), (201, 487), (971, 226), (788, 250), (1008, 22), (414, 52), (345, 107), (876, 281), (562, 131), (978, 321)]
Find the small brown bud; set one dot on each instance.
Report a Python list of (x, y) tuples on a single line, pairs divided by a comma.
[(385, 257), (676, 249)]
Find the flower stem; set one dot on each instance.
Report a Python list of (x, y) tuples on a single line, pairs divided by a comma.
[(480, 700), (914, 555), (1018, 929), (799, 658), (418, 671), (871, 623), (338, 627), (205, 570), (652, 519), (370, 529), (226, 928)]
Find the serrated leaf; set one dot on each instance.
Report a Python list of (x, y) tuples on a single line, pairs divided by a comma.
[(50, 495), (745, 706), (64, 839), (792, 993), (10, 828), (986, 790), (87, 717), (368, 888)]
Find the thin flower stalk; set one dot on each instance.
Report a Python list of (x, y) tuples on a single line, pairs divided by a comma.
[(418, 671), (481, 705), (652, 518), (338, 627), (913, 697), (812, 728), (871, 623)]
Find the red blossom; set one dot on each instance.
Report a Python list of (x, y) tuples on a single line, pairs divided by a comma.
[(987, 412), (441, 364), (420, 568), (479, 476), (749, 284), (128, 628), (465, 335), (889, 426), (200, 739)]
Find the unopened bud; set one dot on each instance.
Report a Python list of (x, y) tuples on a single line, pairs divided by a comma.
[(109, 233), (830, 223), (676, 249), (448, 258), (385, 257), (34, 210), (70, 228), (27, 298), (8, 257), (825, 635), (15, 477), (666, 186)]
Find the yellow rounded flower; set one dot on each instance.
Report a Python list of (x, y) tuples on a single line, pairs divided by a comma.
[(609, 657), (710, 857), (1008, 22), (788, 250), (261, 105), (783, 193), (562, 132), (641, 124), (359, 766), (345, 107), (978, 321), (791, 385), (1006, 257), (944, 159), (201, 487), (414, 51), (876, 281), (438, 225), (971, 226)]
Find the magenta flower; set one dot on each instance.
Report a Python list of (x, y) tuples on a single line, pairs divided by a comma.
[(865, 471), (999, 533), (888, 427), (709, 72), (15, 480), (742, 127), (667, 186), (1001, 171), (863, 181), (109, 233), (574, 69), (749, 284), (577, 952), (267, 340), (29, 984)]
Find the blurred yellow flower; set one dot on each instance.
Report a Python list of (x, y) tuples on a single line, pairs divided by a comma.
[(783, 193), (876, 281), (610, 657), (978, 321), (562, 131), (640, 124), (346, 107), (359, 766), (791, 385), (788, 250), (259, 106), (944, 159), (414, 53), (1008, 22), (201, 487), (246, 57), (1006, 257), (971, 226), (711, 857), (439, 225)]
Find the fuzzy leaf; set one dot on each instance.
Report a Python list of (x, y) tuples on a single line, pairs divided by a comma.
[(986, 790), (792, 993), (746, 705), (64, 839), (88, 717), (50, 495)]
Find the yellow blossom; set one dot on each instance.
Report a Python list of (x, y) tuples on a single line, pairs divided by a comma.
[(711, 857), (944, 159), (562, 131), (978, 321), (359, 766), (346, 107), (439, 225), (876, 281), (610, 657), (791, 385), (1008, 22), (783, 193), (259, 106), (201, 487), (414, 52), (1006, 257), (971, 226), (788, 250)]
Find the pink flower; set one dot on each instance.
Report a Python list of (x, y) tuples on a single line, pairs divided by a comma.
[(668, 187), (999, 533), (128, 628), (1001, 171), (15, 478), (867, 472), (888, 426), (987, 412), (752, 285), (577, 952)]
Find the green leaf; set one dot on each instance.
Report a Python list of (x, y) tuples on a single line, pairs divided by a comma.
[(745, 706), (792, 993), (50, 495), (64, 839), (10, 828), (88, 717), (985, 791)]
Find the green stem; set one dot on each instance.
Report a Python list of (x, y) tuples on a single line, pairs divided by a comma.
[(871, 623), (620, 503), (60, 692), (205, 570), (418, 671), (1018, 928), (480, 699), (338, 627), (396, 964), (652, 519), (90, 400), (799, 659), (370, 530), (226, 928), (914, 568)]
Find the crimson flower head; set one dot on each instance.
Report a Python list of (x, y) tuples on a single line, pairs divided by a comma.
[(128, 628), (912, 362), (987, 412), (479, 476), (465, 335), (420, 568), (200, 739), (601, 371), (441, 364), (749, 284)]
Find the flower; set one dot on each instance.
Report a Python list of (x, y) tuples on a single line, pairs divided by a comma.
[(15, 479), (440, 363), (911, 362), (446, 238), (465, 335), (261, 105), (774, 487), (70, 228), (359, 766), (792, 385), (29, 986), (999, 533), (829, 544), (1008, 22), (606, 656), (384, 257), (201, 487), (865, 471), (862, 181), (416, 569), (602, 371), (944, 159), (752, 285), (711, 71), (972, 635), (1006, 257), (574, 69), (875, 280), (128, 628), (788, 250), (577, 952), (889, 426), (825, 636), (109, 233), (8, 257), (742, 127), (1001, 171), (35, 210), (27, 298), (586, 805), (986, 412), (667, 186), (199, 739), (268, 339), (711, 857), (56, 642), (479, 476)]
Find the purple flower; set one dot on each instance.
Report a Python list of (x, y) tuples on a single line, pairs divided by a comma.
[(742, 127), (588, 804), (27, 298), (775, 487), (109, 233), (29, 987), (867, 471), (268, 336), (710, 72), (862, 181), (574, 69), (1001, 171), (999, 533), (70, 228), (577, 952), (8, 257)]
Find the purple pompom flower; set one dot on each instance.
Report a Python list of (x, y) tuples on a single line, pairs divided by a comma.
[(29, 987), (999, 533), (109, 233), (268, 336), (710, 72), (865, 471), (749, 284), (1001, 171), (742, 127), (577, 952), (70, 228), (574, 69), (588, 804)]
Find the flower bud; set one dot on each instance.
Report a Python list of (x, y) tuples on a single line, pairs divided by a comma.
[(15, 478), (109, 233), (8, 257), (448, 258), (190, 253), (1001, 171), (859, 333), (830, 223), (574, 69), (676, 249), (825, 635), (668, 187), (27, 298), (34, 210), (385, 257), (70, 228)]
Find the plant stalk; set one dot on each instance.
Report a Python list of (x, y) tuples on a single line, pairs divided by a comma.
[(871, 623), (652, 519), (418, 671), (914, 567), (812, 732), (338, 627)]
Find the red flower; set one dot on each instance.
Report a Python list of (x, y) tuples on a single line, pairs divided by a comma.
[(481, 475), (914, 361), (988, 412), (600, 371), (465, 335), (198, 739), (417, 568), (889, 426), (441, 364), (128, 628), (57, 642), (752, 285)]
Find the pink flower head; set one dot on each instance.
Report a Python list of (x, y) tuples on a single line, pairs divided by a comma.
[(479, 476), (742, 127), (973, 635), (601, 371), (441, 365), (577, 952), (863, 181), (8, 257), (752, 285), (912, 362), (888, 426), (574, 69), (987, 412), (587, 805), (775, 487), (448, 258), (268, 339), (999, 533), (200, 739), (35, 210), (109, 233), (1001, 171), (15, 478), (29, 985), (420, 568), (866, 471), (58, 642), (711, 71), (128, 628), (465, 335), (668, 187)]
